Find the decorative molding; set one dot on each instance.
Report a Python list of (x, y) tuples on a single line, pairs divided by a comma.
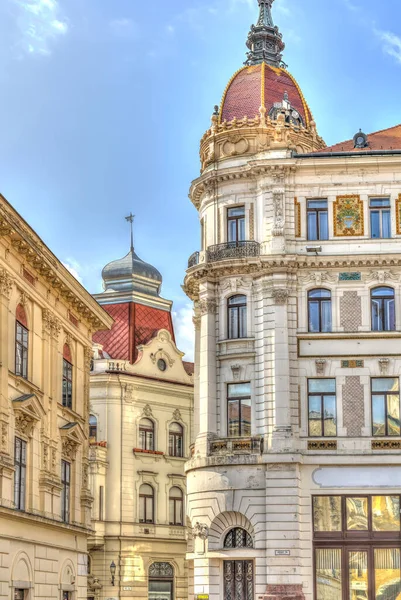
[(24, 423), (398, 214), (196, 320), (384, 364), (69, 448), (279, 221), (322, 445), (386, 444), (348, 214), (382, 276), (50, 323), (318, 277), (252, 221), (129, 394), (218, 228), (28, 276), (147, 411), (320, 364), (207, 306), (4, 436), (6, 284), (88, 358), (236, 370), (280, 296), (297, 214), (177, 415)]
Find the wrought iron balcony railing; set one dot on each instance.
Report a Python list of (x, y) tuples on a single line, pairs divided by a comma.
[(193, 260), (246, 249), (245, 445)]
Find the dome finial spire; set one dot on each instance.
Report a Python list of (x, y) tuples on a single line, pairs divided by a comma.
[(264, 41), (130, 219)]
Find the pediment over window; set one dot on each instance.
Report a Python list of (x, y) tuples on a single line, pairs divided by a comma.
[(28, 411), (72, 436)]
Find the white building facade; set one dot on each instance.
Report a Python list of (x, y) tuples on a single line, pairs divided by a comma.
[(294, 484)]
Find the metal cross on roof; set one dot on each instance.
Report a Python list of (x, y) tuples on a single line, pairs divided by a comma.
[(130, 219)]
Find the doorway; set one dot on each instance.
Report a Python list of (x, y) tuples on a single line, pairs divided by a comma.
[(238, 579)]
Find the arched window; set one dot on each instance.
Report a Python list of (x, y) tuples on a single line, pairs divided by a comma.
[(383, 309), (236, 307), (146, 504), (176, 440), (161, 580), (319, 311), (92, 428), (146, 434), (67, 376), (238, 538), (21, 342), (176, 507)]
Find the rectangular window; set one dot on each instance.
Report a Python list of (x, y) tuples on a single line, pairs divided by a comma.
[(236, 224), (386, 407), (101, 503), (239, 410), (327, 513), (380, 218), (318, 225), (67, 384), (65, 491), (329, 574), (20, 473), (19, 594), (21, 351), (322, 412)]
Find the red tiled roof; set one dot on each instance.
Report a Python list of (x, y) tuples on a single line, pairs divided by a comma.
[(244, 93), (134, 325), (386, 139), (189, 367)]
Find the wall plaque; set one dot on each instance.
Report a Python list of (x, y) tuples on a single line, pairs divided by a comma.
[(283, 553), (350, 277)]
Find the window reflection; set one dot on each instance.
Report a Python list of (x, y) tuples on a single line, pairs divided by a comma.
[(357, 514), (386, 513), (387, 573), (328, 574), (358, 575), (327, 513), (385, 407)]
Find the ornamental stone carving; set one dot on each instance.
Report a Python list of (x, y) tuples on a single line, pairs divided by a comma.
[(384, 364), (147, 411), (177, 415), (280, 296), (278, 204), (382, 276), (236, 370), (197, 323), (88, 358), (50, 323), (69, 448), (24, 423), (201, 531), (6, 283), (4, 428), (207, 306), (321, 364)]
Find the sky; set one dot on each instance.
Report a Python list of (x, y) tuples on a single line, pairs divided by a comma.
[(103, 104)]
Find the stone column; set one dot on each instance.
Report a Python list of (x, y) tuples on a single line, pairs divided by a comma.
[(197, 325), (6, 285), (207, 369)]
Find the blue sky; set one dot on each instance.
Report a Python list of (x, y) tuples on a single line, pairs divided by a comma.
[(103, 104)]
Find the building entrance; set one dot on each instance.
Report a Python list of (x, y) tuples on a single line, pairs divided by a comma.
[(238, 580)]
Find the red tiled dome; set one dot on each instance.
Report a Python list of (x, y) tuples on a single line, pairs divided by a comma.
[(261, 85)]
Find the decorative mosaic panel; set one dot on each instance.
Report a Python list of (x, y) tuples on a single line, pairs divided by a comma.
[(252, 222), (350, 277), (297, 209), (353, 406), (386, 445), (323, 445), (348, 216), (398, 214), (350, 311), (352, 364)]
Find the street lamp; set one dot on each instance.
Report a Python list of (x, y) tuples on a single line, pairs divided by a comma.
[(112, 571)]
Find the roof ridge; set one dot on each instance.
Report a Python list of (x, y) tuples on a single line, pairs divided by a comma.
[(371, 133)]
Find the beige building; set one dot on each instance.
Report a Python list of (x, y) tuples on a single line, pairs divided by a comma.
[(294, 487), (46, 324), (141, 397)]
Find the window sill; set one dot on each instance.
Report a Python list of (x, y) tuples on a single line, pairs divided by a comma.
[(70, 412), (151, 452), (19, 380)]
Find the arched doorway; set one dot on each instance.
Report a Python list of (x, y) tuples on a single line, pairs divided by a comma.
[(161, 581), (238, 574)]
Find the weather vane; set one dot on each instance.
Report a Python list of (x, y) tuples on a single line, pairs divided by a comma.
[(130, 219)]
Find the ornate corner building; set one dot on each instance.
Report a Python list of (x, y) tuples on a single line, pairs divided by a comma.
[(293, 485), (47, 320), (141, 396)]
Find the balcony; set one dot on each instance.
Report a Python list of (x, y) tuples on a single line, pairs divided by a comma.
[(193, 260), (233, 250), (245, 445)]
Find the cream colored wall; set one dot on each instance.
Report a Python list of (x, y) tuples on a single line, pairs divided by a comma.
[(37, 551), (120, 400)]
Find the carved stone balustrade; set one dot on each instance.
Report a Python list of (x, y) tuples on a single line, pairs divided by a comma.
[(233, 250), (244, 445)]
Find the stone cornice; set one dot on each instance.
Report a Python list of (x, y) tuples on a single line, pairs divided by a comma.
[(291, 264), (28, 244)]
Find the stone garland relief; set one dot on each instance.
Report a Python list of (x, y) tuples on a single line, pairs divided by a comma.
[(348, 216)]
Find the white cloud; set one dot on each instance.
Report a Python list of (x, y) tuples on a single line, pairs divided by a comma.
[(185, 331), (74, 268), (391, 43), (351, 6), (40, 23), (124, 28)]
